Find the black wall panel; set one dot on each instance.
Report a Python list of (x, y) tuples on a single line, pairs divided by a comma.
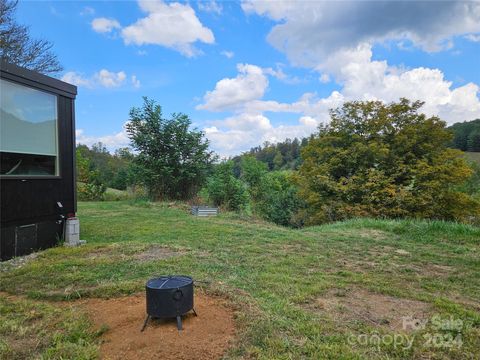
[(33, 200)]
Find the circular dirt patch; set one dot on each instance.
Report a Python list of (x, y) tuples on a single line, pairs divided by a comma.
[(206, 336)]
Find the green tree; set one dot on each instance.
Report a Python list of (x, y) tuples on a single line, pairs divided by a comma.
[(252, 172), (83, 166), (17, 47), (383, 161), (278, 199), (474, 141), (224, 189), (278, 160), (124, 168), (115, 171), (173, 159), (463, 134), (282, 155), (89, 186)]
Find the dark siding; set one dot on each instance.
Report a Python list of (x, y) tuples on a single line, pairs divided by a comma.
[(30, 200)]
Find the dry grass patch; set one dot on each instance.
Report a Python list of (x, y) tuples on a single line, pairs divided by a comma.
[(157, 252), (359, 305), (372, 234), (140, 253)]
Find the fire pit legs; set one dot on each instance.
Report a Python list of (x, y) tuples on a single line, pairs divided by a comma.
[(179, 323), (145, 323)]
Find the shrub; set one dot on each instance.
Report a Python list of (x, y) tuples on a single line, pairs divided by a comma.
[(384, 161), (253, 172), (225, 190), (89, 186), (278, 199), (91, 191)]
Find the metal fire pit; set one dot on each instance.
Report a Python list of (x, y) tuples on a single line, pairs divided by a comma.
[(169, 297)]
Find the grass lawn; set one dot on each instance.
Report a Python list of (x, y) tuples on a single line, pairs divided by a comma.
[(473, 156), (316, 293)]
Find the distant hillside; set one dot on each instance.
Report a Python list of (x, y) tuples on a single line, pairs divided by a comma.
[(467, 135)]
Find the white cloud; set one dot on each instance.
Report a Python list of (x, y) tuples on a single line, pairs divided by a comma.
[(112, 142), (110, 79), (247, 122), (365, 79), (279, 74), (230, 93), (308, 104), (87, 10), (473, 37), (308, 121), (76, 79), (173, 25), (135, 81), (228, 54), (324, 78), (360, 77), (210, 6), (244, 131), (55, 12), (105, 25), (309, 31), (102, 78)]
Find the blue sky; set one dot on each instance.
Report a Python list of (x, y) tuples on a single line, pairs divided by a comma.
[(248, 72)]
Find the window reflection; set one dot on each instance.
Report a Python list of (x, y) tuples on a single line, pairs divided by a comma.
[(28, 131)]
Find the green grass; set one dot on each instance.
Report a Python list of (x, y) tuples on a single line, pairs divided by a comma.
[(29, 328), (473, 156), (112, 194), (117, 195), (272, 275)]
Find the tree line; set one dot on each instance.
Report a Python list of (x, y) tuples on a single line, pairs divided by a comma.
[(372, 159), (466, 135), (284, 155)]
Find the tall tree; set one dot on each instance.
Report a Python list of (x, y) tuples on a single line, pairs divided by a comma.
[(174, 159), (384, 160), (17, 47)]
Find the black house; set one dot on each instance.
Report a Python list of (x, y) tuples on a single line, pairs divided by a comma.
[(37, 160)]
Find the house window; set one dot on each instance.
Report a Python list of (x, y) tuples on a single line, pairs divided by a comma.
[(28, 131)]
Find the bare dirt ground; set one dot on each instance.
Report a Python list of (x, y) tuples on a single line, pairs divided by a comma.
[(372, 308), (207, 336)]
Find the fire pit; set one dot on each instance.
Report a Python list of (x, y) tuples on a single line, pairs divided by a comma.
[(169, 297)]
